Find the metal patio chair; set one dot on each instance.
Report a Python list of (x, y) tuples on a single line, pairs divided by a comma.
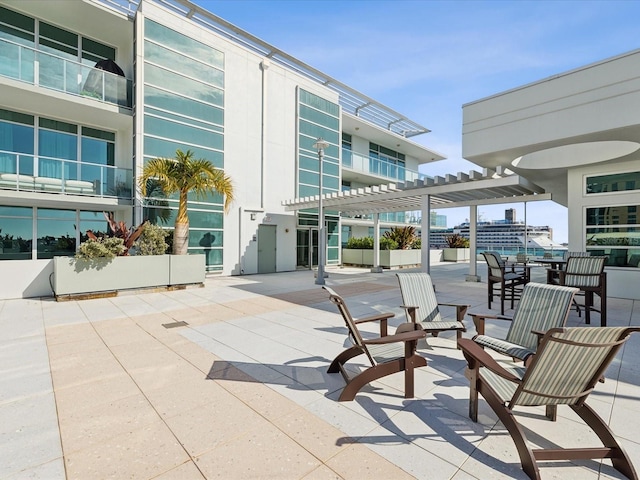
[(387, 354), (541, 308), (422, 307), (566, 368), (503, 281)]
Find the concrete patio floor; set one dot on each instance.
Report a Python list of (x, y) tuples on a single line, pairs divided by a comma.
[(229, 381)]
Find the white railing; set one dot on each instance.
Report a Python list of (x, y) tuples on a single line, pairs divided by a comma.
[(20, 171), (379, 167), (43, 69)]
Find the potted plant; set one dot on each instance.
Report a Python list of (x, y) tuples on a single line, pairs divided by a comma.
[(457, 249), (105, 264)]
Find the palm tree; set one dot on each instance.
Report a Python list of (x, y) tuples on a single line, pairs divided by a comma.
[(182, 175)]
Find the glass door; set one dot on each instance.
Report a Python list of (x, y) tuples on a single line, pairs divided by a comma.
[(307, 248)]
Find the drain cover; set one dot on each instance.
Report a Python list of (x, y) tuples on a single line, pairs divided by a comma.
[(175, 324)]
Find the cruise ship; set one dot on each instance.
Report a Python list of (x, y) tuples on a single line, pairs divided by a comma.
[(507, 236)]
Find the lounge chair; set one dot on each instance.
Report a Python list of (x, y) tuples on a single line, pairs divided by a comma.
[(566, 368), (541, 308), (387, 354), (422, 307)]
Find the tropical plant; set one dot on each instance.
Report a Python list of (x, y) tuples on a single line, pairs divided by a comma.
[(417, 244), (183, 175), (152, 240), (101, 247), (403, 236), (118, 230), (387, 243), (457, 241)]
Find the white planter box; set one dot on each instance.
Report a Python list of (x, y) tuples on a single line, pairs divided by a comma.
[(456, 254), (388, 258), (72, 276)]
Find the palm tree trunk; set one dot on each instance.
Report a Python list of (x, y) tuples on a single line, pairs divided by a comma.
[(181, 232)]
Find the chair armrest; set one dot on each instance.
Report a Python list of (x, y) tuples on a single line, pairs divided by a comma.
[(380, 317), (410, 336), (477, 357), (410, 311), (479, 318), (461, 309)]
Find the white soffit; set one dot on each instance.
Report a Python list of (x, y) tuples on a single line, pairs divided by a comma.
[(458, 190), (576, 154)]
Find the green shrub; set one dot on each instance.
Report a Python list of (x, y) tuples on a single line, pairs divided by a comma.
[(152, 240), (387, 243), (365, 243), (417, 244), (107, 247)]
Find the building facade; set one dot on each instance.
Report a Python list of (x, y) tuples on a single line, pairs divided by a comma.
[(90, 90)]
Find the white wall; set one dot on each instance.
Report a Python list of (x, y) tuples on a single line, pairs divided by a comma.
[(25, 278)]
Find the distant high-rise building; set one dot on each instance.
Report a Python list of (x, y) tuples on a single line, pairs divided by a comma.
[(510, 215)]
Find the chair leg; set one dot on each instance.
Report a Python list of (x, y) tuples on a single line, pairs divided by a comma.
[(343, 358), (472, 375), (527, 457), (619, 457), (551, 412), (588, 304)]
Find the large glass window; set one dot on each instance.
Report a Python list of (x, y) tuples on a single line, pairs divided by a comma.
[(16, 233), (614, 231), (617, 182), (184, 109)]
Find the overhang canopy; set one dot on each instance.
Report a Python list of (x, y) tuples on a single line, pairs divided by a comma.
[(460, 190)]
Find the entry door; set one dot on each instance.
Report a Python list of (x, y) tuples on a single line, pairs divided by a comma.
[(266, 248), (307, 248)]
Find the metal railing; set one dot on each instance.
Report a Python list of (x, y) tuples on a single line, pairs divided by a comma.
[(47, 70), (24, 172), (379, 167)]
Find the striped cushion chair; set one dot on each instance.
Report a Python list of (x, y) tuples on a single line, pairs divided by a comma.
[(386, 354), (566, 368), (422, 307), (588, 275), (541, 308)]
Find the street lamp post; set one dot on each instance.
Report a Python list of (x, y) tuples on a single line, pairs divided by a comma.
[(320, 145)]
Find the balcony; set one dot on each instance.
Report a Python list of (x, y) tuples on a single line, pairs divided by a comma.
[(47, 70), (31, 173), (378, 167)]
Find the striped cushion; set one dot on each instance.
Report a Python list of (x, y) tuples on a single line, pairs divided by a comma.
[(382, 353), (587, 270), (565, 370), (541, 308), (504, 347), (417, 290)]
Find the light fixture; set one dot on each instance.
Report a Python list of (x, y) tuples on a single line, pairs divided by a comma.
[(320, 145)]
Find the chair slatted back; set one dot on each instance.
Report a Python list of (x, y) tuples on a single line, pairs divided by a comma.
[(417, 290), (541, 308), (568, 255), (354, 334), (568, 364), (495, 263), (584, 271)]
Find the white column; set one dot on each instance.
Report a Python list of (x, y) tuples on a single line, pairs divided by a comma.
[(376, 244), (473, 237), (425, 227)]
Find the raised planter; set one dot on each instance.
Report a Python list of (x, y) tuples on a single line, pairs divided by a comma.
[(456, 254), (388, 258), (84, 277)]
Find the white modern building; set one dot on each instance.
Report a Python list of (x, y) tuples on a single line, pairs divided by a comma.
[(577, 135), (91, 89)]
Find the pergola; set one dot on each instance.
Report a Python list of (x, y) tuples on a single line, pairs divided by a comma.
[(460, 190)]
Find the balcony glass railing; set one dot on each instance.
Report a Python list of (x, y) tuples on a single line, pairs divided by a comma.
[(379, 167), (51, 71), (45, 174)]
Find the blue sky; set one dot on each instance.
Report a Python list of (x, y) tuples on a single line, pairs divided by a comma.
[(426, 59)]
